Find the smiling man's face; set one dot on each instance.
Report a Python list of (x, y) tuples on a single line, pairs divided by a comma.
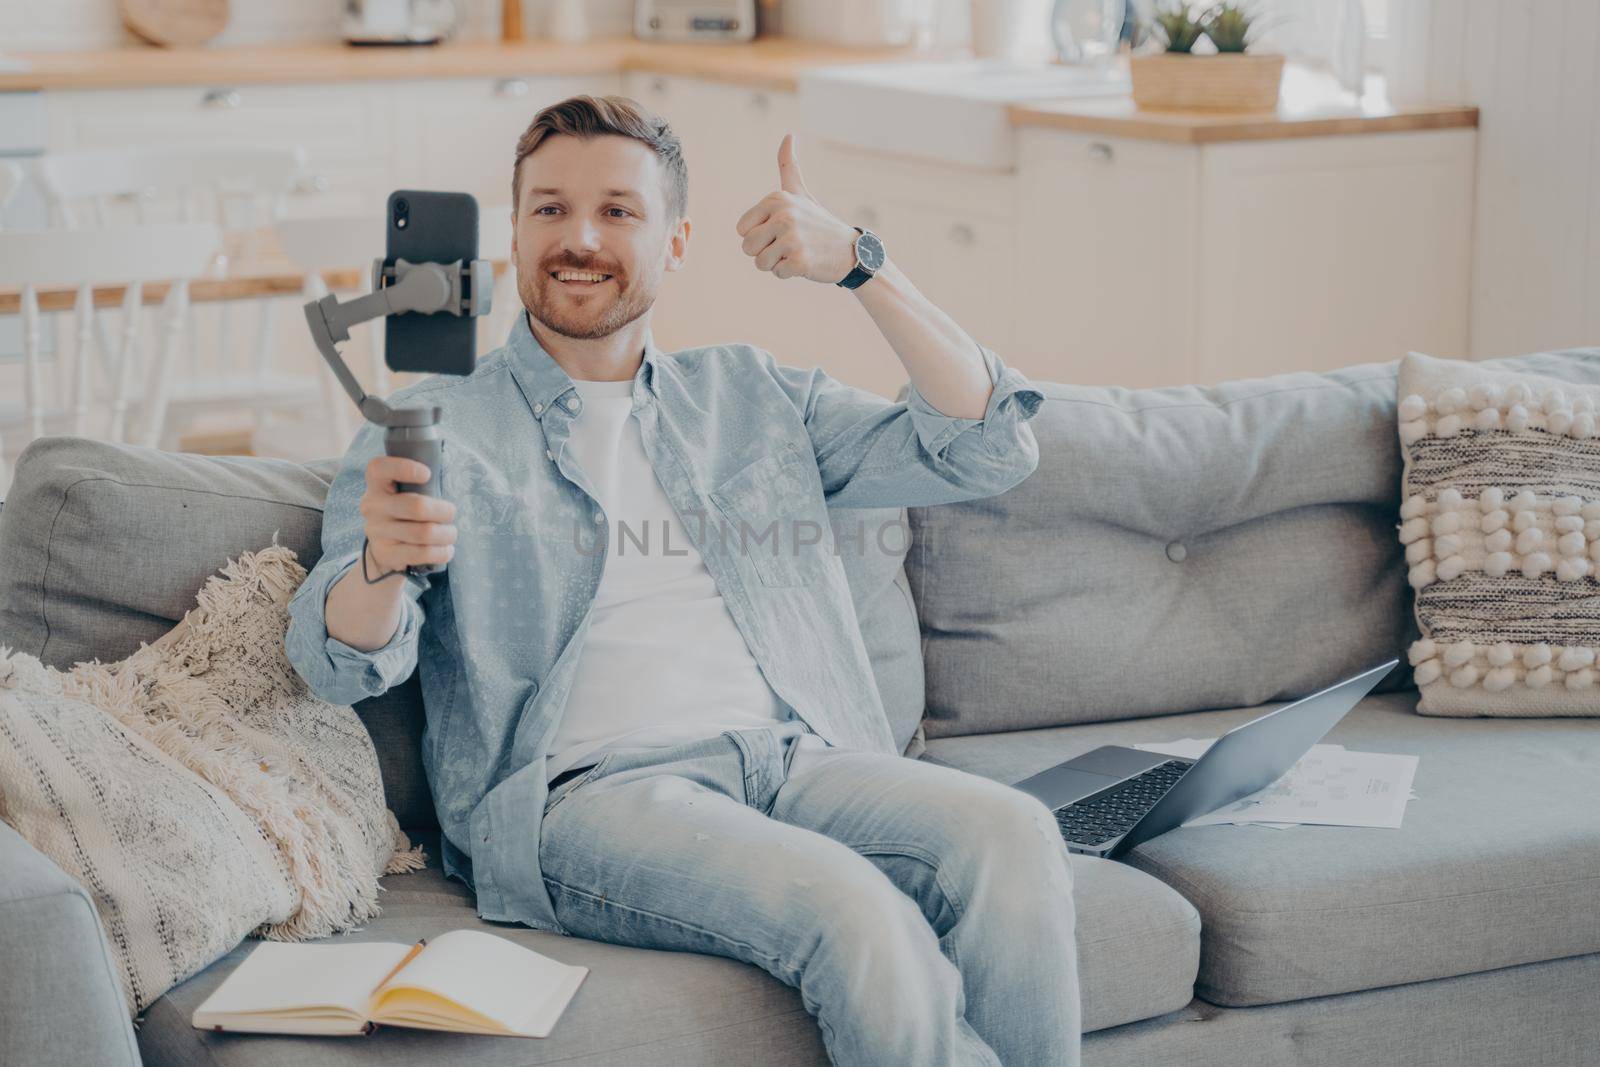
[(593, 233)]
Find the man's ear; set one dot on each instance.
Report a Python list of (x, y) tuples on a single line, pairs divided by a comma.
[(678, 244)]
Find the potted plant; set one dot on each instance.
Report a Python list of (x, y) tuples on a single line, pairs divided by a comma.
[(1232, 79)]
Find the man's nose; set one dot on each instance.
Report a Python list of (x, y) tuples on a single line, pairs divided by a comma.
[(582, 235)]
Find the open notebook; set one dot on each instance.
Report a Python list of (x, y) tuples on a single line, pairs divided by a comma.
[(465, 980)]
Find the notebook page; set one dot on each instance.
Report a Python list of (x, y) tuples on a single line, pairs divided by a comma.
[(279, 976), (490, 975)]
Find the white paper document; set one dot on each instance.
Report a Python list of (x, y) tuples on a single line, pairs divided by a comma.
[(1329, 786)]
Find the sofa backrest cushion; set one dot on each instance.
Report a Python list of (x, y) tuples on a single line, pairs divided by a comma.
[(103, 547), (1177, 549)]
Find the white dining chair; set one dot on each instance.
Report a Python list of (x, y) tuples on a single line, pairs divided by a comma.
[(11, 179), (240, 188), (80, 260), (316, 244)]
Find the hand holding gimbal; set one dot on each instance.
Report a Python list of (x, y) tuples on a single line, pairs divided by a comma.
[(400, 287)]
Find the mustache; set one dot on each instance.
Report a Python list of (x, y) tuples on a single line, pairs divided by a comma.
[(591, 263)]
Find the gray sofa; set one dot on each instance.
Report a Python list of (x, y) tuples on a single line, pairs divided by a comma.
[(1183, 560)]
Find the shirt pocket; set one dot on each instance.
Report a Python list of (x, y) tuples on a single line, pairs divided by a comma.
[(772, 523)]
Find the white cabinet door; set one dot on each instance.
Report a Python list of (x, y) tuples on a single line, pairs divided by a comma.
[(1106, 258), (460, 134), (1329, 251), (345, 130), (951, 230), (730, 136)]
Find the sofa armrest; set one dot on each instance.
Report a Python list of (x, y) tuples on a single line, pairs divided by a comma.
[(61, 1000)]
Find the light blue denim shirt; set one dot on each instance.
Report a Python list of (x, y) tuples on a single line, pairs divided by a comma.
[(751, 454)]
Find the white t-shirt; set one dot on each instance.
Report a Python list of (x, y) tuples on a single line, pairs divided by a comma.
[(663, 662)]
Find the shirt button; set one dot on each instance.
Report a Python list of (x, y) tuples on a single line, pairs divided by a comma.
[(1176, 552), (538, 409), (548, 454), (599, 516), (572, 404)]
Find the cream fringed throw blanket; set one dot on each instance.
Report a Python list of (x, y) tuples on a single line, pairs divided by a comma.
[(198, 789)]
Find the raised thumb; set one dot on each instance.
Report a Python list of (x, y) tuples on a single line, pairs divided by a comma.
[(789, 178)]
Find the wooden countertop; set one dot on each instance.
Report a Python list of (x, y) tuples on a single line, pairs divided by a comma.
[(1311, 104), (769, 63)]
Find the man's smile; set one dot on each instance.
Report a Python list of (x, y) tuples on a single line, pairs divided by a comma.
[(580, 279)]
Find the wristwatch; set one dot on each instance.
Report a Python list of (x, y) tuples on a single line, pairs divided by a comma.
[(869, 257)]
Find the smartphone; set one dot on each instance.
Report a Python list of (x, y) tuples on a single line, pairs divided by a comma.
[(432, 227)]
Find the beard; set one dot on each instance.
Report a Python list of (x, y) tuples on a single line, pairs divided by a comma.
[(581, 315)]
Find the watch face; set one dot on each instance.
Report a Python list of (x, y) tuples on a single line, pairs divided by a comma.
[(869, 250)]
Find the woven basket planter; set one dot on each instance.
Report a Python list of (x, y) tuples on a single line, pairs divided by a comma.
[(1232, 81)]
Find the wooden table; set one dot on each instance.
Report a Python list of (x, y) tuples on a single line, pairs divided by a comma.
[(251, 266)]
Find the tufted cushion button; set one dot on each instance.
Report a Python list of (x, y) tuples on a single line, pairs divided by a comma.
[(1176, 552)]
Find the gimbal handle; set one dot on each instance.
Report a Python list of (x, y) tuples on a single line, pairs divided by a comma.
[(429, 288)]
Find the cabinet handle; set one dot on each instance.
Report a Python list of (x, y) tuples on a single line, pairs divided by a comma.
[(962, 234), (311, 183), (1101, 151), (221, 98), (511, 87)]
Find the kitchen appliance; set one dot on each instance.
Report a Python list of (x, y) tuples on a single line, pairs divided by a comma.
[(861, 23), (398, 22), (694, 20)]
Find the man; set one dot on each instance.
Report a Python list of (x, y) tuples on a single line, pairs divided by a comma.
[(650, 715)]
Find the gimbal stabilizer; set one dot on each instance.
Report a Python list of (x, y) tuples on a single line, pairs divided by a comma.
[(428, 288)]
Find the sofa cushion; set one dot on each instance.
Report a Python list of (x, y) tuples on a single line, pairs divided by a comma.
[(103, 547), (1501, 523), (1177, 549), (1497, 864), (1138, 944)]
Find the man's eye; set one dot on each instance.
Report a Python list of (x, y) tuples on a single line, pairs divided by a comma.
[(546, 207), (623, 210)]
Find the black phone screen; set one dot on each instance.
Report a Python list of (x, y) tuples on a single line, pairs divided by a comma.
[(432, 227)]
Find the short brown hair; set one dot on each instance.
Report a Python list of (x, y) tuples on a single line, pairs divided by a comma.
[(591, 116)]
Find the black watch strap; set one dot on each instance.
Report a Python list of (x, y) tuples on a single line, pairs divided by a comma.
[(858, 273)]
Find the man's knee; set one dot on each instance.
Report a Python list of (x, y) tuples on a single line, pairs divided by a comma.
[(1016, 836)]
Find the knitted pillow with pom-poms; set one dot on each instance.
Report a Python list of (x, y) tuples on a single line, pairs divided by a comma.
[(1500, 516)]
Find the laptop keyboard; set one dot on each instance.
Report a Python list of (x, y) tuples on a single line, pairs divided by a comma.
[(1093, 822)]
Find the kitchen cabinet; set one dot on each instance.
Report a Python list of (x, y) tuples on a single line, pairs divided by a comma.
[(730, 137), (1105, 289), (1098, 258), (951, 229), (1149, 263), (461, 133), (1321, 253), (362, 139), (346, 130)]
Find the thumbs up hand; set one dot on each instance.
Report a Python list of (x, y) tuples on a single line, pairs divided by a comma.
[(790, 234)]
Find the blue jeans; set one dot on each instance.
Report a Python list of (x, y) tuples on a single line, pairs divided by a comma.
[(925, 914)]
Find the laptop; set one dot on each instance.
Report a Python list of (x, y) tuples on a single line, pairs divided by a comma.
[(1114, 798)]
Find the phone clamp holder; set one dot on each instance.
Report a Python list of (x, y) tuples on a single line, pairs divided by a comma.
[(400, 287)]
